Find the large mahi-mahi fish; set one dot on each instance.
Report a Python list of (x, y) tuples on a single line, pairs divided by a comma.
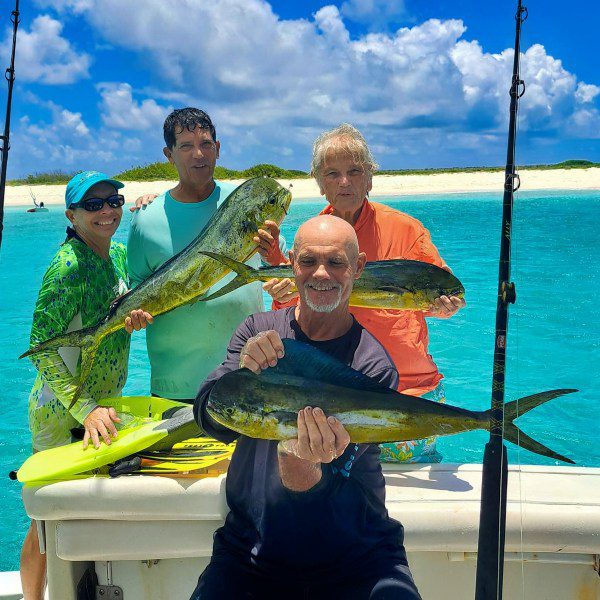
[(189, 274), (266, 406), (394, 284)]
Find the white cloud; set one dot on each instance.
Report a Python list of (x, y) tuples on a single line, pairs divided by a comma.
[(72, 121), (271, 85), (552, 95), (255, 70), (66, 143), (328, 20), (586, 92), (44, 56), (120, 111)]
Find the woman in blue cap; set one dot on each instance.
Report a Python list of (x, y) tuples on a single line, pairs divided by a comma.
[(84, 277)]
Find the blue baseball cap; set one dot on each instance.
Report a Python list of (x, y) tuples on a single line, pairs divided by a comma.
[(82, 182)]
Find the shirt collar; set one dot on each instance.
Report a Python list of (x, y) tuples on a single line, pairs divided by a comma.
[(71, 233), (366, 211)]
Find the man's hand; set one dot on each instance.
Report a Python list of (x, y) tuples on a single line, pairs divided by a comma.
[(446, 306), (100, 421), (143, 201), (321, 439), (261, 351), (267, 240), (138, 319), (281, 290)]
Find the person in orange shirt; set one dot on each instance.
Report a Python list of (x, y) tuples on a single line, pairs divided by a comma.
[(343, 166)]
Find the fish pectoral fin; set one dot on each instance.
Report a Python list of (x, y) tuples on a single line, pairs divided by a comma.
[(87, 362), (235, 265), (234, 284), (284, 417)]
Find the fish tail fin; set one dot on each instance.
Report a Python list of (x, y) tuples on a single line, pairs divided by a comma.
[(71, 339), (517, 408), (245, 274), (88, 354)]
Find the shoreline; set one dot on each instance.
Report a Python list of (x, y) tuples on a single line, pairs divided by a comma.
[(383, 185)]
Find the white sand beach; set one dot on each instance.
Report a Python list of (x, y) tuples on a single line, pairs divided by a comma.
[(383, 185)]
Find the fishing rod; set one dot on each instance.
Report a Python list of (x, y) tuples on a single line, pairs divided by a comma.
[(492, 520), (5, 139)]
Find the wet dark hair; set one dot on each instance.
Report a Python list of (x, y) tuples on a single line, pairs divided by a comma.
[(186, 118)]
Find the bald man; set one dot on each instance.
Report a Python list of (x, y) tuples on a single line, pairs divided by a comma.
[(307, 516)]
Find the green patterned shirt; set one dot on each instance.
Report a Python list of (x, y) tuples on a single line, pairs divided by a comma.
[(76, 292)]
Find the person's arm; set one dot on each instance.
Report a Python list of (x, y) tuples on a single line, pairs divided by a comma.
[(273, 251), (142, 201), (282, 291), (321, 440), (59, 300)]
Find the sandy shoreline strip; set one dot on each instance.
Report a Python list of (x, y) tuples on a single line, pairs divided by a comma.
[(383, 185)]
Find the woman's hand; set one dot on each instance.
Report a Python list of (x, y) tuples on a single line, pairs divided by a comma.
[(100, 421)]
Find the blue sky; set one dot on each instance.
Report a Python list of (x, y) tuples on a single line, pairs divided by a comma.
[(426, 82)]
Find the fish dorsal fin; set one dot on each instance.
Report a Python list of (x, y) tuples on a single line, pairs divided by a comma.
[(304, 360)]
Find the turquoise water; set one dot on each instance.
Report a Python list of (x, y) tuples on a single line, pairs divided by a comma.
[(554, 331)]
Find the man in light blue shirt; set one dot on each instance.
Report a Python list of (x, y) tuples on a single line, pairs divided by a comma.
[(186, 344)]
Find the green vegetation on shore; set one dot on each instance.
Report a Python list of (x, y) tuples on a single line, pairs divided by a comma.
[(49, 178), (566, 164), (164, 171)]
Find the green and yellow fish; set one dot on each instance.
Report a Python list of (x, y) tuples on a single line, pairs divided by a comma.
[(395, 284), (266, 406), (189, 274)]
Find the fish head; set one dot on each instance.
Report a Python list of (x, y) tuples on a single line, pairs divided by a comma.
[(452, 285), (230, 402), (434, 282), (251, 405), (263, 200), (231, 415)]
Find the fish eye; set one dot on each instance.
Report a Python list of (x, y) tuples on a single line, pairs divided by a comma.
[(272, 199), (229, 411)]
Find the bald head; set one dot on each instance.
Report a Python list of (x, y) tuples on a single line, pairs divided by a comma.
[(326, 261), (327, 230)]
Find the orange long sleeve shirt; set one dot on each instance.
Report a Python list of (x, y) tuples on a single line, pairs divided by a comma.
[(385, 233)]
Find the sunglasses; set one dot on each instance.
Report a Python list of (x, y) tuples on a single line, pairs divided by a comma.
[(96, 204)]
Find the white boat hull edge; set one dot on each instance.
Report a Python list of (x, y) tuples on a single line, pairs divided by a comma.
[(152, 536)]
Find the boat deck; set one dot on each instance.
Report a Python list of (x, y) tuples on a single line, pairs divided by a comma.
[(153, 535)]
